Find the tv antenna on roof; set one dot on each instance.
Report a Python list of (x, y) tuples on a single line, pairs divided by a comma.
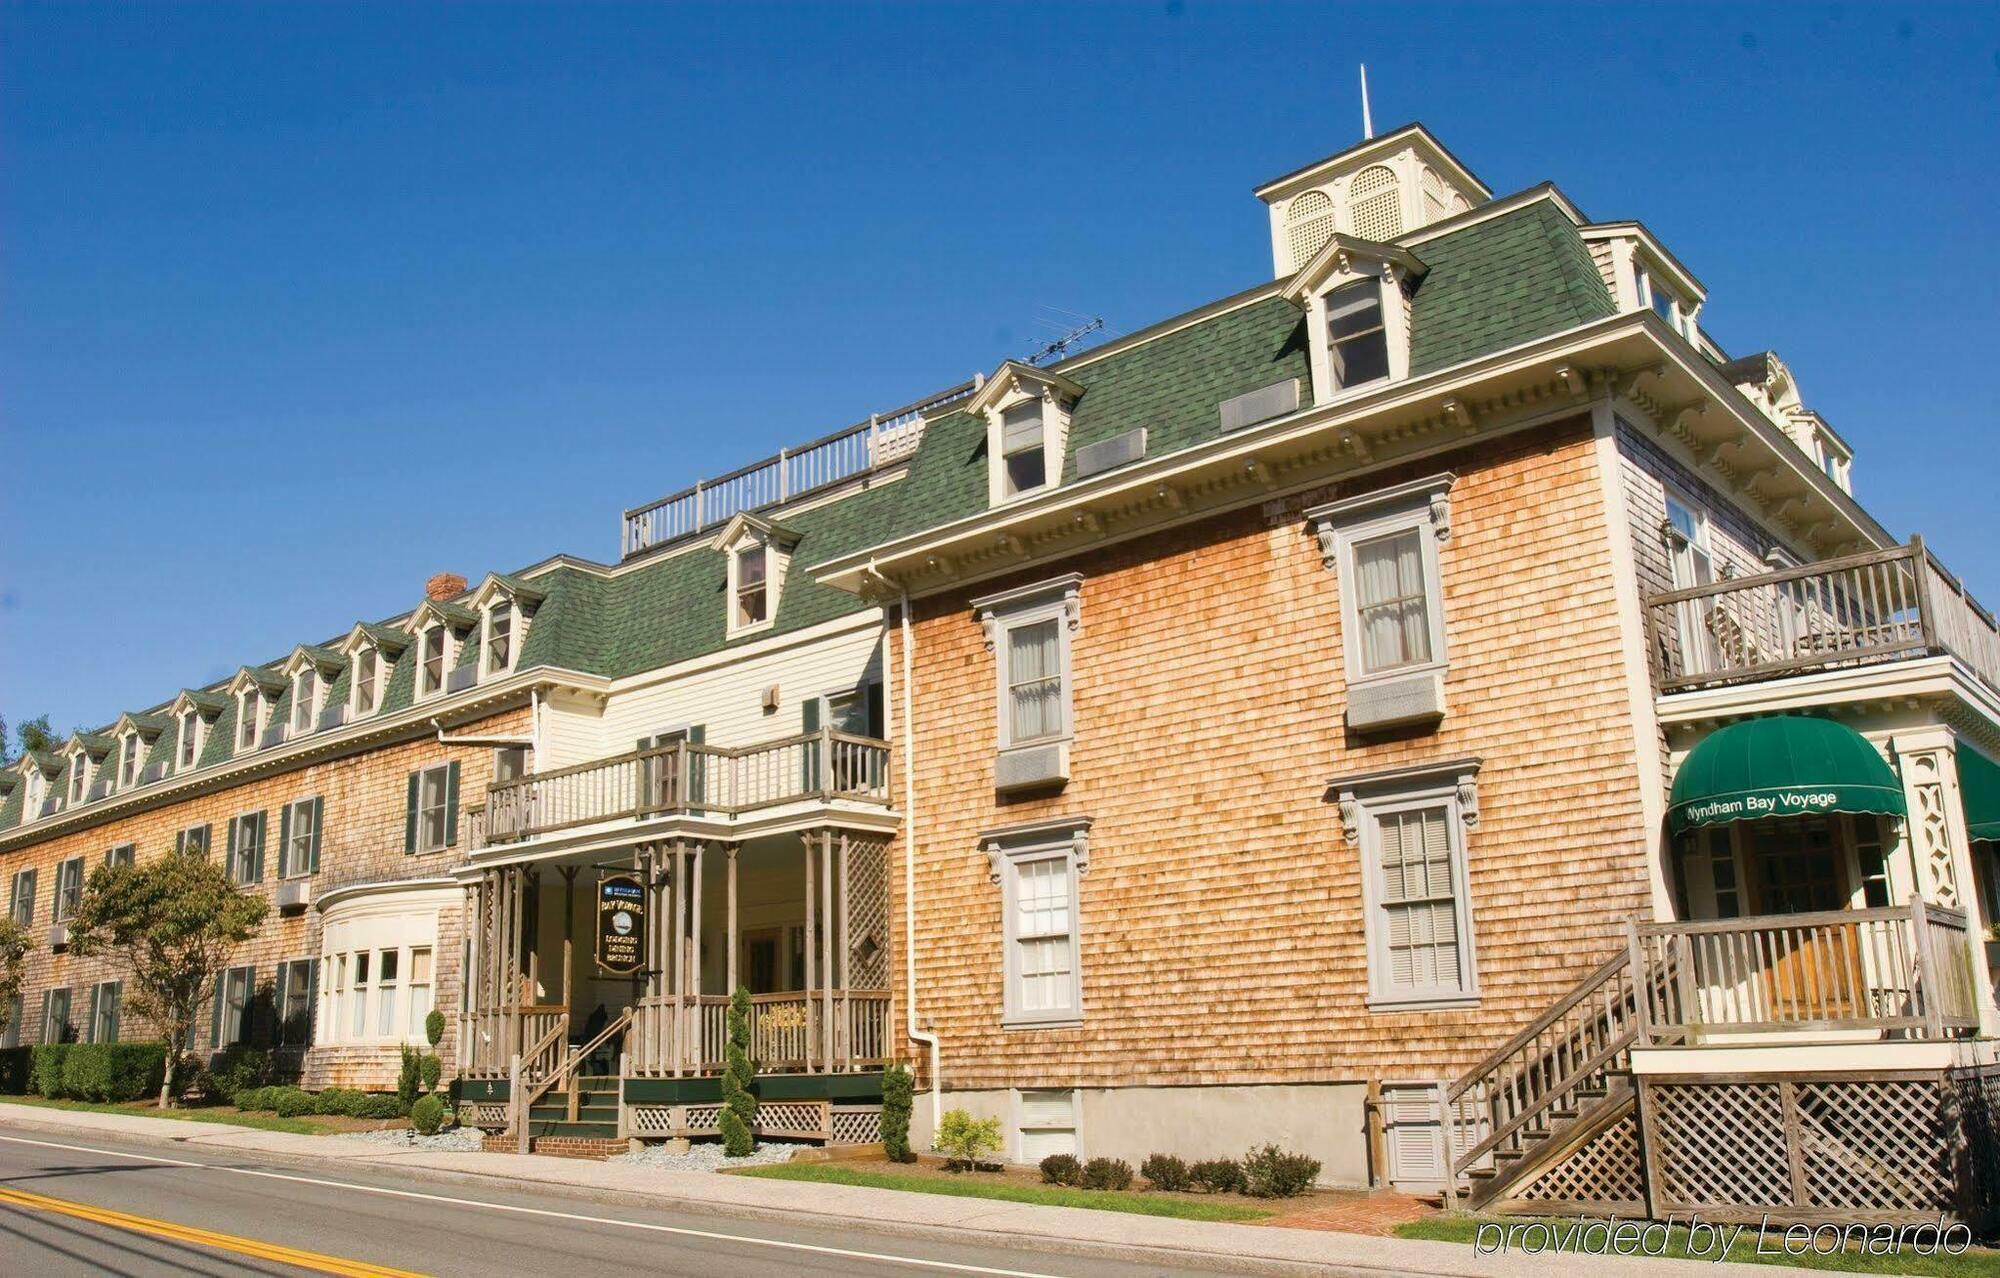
[(1367, 120), (1062, 346)]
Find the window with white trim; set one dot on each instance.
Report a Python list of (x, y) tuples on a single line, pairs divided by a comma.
[(21, 898), (193, 840), (1384, 546), (249, 718), (387, 991), (57, 1027), (1037, 868), (34, 794), (229, 1023), (130, 751), (11, 1034), (1410, 829), (69, 888), (293, 1002), (367, 680), (1047, 1124), (434, 660), (298, 847), (120, 855), (420, 992), (1024, 464), (749, 584), (497, 645), (1357, 335), (305, 699), (357, 1011), (433, 808), (103, 1026), (79, 777), (187, 751)]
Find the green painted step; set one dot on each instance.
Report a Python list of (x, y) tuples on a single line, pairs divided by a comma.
[(595, 1131), (557, 1114)]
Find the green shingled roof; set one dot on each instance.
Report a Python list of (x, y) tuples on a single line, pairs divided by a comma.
[(1499, 283)]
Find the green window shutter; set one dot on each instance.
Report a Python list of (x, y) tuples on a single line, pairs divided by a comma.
[(312, 1000), (117, 989), (215, 1020), (257, 848), (229, 855), (809, 754), (180, 841), (697, 778), (410, 816), (451, 804), (278, 995), (319, 820), (284, 848), (90, 1026), (42, 1026)]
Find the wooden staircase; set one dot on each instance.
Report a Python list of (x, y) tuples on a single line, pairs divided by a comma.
[(1549, 1090)]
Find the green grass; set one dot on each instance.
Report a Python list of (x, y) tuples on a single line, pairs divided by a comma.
[(1980, 1262), (974, 1186), (232, 1118)]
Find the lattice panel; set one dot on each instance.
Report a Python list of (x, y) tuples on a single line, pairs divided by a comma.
[(791, 1118), (857, 1124), (652, 1120), (1607, 1169), (1930, 826), (868, 914), (1375, 204), (1875, 1145), (704, 1120), (1721, 1144), (1978, 1095), (1308, 225), (482, 1114)]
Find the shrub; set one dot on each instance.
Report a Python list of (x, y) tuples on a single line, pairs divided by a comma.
[(383, 1106), (739, 1106), (45, 1073), (112, 1071), (432, 1068), (1270, 1172), (434, 1027), (411, 1078), (236, 1069), (258, 1098), (1164, 1171), (15, 1066), (964, 1140), (1062, 1169), (1218, 1175), (1107, 1173), (290, 1102), (898, 1095), (427, 1115), (338, 1101)]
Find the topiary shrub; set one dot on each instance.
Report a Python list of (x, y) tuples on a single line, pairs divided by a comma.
[(1164, 1171), (235, 1069), (899, 1088), (1107, 1173), (1062, 1169), (45, 1071), (410, 1080), (739, 1107), (965, 1140), (1217, 1175), (427, 1115), (434, 1028), (432, 1067), (1270, 1172), (16, 1064)]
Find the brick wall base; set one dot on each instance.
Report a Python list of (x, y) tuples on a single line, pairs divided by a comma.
[(589, 1147)]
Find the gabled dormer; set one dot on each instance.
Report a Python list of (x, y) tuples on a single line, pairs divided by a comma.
[(308, 673), (1643, 276), (1769, 385), (252, 692), (438, 631), (82, 755), (133, 737), (370, 653), (37, 772), (193, 713), (505, 606), (1377, 190), (1027, 414), (1356, 295), (756, 552)]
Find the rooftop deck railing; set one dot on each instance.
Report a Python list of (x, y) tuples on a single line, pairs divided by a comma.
[(1883, 605), (684, 777), (791, 474)]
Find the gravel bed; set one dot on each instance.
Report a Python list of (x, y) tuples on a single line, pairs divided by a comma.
[(708, 1156), (458, 1139)]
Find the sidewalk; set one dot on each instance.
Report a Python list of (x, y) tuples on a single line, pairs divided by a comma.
[(1066, 1230)]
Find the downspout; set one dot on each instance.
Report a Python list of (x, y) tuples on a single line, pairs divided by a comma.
[(917, 1034)]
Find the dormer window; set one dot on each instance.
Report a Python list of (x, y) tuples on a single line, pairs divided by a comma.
[(1357, 337), (35, 795), (752, 574), (79, 777), (367, 680), (305, 699), (498, 646), (435, 654), (128, 760), (249, 718), (756, 552), (187, 749), (1024, 463), (1664, 302)]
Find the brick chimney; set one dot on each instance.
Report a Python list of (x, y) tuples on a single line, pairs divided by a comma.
[(444, 586)]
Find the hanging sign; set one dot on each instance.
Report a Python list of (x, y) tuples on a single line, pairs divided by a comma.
[(621, 924)]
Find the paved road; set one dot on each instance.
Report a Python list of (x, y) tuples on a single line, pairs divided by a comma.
[(95, 1205)]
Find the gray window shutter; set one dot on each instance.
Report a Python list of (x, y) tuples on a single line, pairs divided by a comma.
[(410, 816), (257, 848), (697, 777), (117, 989), (215, 1020), (278, 993), (451, 804), (312, 1000), (42, 1028), (284, 854), (229, 850), (90, 1026), (319, 819), (180, 841)]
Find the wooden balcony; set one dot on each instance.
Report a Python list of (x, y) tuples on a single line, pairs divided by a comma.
[(1882, 606), (684, 778)]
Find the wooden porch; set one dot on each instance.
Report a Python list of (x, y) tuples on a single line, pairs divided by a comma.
[(1881, 606)]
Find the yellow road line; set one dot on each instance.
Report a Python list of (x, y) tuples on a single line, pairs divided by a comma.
[(203, 1237)]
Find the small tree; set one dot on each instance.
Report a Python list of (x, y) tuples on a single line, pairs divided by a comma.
[(14, 947), (172, 922), (898, 1095), (965, 1141), (739, 1107)]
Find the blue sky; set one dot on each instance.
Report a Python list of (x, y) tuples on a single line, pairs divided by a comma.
[(302, 304)]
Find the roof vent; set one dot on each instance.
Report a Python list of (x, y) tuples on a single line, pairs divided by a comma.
[(444, 586)]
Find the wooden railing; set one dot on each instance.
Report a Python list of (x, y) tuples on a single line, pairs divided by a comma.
[(791, 474), (1884, 605), (489, 1038), (684, 777), (789, 1033), (537, 1065), (1903, 971)]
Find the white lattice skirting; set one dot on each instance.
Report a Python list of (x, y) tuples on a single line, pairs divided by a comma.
[(486, 1115), (787, 1120)]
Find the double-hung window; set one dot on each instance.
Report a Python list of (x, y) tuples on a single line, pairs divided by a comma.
[(1034, 692), (103, 1026), (298, 838), (190, 741), (10, 1034), (21, 901), (79, 772), (1384, 547), (119, 855), (1392, 602), (249, 716), (420, 992), (1024, 465), (57, 1027), (245, 862), (431, 667), (128, 761), (1357, 339), (1030, 631), (430, 814), (69, 888), (293, 1002), (1410, 827), (752, 586), (230, 1023), (499, 638), (193, 841), (1037, 868), (357, 1010), (367, 671), (305, 700), (386, 974)]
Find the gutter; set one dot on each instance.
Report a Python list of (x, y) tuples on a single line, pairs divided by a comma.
[(912, 1028), (486, 741)]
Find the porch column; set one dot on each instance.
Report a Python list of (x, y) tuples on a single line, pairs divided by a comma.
[(675, 887), (844, 1040), (729, 850), (812, 969), (695, 990), (569, 936), (826, 951), (1938, 849)]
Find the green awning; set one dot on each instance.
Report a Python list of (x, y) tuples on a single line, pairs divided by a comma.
[(1979, 787), (1785, 765)]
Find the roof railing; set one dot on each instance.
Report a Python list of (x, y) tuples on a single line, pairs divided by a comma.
[(791, 474)]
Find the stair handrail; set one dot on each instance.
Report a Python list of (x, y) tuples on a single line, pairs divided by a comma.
[(1562, 1007), (524, 1090), (572, 1067)]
